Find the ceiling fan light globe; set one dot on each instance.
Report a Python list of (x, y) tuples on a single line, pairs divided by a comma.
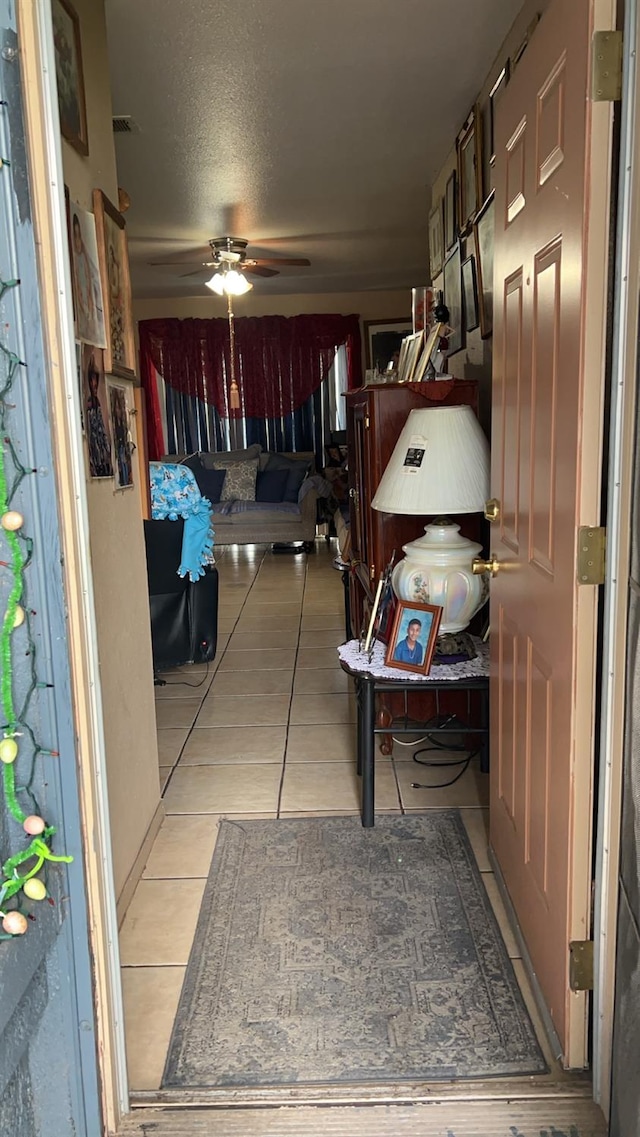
[(236, 284), (216, 284)]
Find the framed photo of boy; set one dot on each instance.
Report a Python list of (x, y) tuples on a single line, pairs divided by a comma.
[(413, 636)]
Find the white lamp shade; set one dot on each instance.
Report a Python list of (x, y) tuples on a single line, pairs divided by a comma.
[(440, 465)]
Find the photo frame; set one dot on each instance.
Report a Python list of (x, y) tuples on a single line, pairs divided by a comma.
[(123, 445), (453, 299), (436, 239), (88, 299), (410, 356), (95, 410), (113, 256), (421, 305), (67, 47), (413, 636), (383, 339), (494, 97), (383, 597), (450, 212), (470, 294), (484, 235), (432, 337), (469, 151)]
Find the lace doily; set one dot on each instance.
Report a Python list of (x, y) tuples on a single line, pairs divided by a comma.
[(356, 660)]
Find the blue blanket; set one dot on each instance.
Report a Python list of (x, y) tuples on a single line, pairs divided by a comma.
[(174, 494)]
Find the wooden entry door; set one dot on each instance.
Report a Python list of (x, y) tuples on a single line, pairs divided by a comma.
[(552, 179)]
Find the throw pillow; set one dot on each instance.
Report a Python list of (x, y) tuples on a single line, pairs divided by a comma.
[(295, 478), (214, 460), (210, 483), (284, 462), (193, 462), (271, 485), (240, 481)]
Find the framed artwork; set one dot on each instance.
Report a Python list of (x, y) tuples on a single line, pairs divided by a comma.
[(453, 300), (421, 305), (96, 412), (450, 212), (70, 81), (88, 297), (413, 636), (494, 97), (120, 353), (483, 234), (469, 149), (383, 340), (470, 294), (410, 357), (436, 240), (432, 339), (123, 446)]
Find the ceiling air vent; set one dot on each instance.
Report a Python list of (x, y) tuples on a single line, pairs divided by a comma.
[(125, 124)]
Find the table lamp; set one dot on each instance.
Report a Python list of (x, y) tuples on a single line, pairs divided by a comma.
[(440, 466)]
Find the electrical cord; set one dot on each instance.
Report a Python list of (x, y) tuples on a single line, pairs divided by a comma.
[(435, 744)]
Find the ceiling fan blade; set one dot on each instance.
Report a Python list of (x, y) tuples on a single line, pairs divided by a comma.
[(198, 272), (192, 257), (302, 262), (259, 270)]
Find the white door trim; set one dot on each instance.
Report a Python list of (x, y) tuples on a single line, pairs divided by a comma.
[(42, 130), (619, 490)]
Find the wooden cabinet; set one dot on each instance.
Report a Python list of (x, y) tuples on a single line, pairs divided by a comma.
[(375, 417)]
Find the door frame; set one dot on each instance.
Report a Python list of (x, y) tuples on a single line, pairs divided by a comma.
[(37, 62), (619, 487)]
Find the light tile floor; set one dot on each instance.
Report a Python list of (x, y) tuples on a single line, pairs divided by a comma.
[(267, 730)]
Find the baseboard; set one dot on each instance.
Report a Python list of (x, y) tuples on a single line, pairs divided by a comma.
[(137, 868)]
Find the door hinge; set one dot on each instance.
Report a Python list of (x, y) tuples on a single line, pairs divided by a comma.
[(581, 965), (592, 543), (606, 67), (367, 422)]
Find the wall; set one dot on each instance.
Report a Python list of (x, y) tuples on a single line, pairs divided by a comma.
[(475, 360), (116, 534)]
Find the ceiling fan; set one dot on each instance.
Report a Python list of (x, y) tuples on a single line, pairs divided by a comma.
[(230, 253)]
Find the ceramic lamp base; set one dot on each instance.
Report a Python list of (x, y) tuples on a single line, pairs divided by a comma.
[(437, 569)]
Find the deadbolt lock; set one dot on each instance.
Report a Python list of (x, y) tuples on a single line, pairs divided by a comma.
[(492, 509), (492, 566)]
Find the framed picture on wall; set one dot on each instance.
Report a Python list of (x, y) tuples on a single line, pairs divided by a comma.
[(450, 212), (383, 340), (70, 81), (436, 239), (483, 235), (120, 430), (421, 305), (95, 408), (453, 300), (113, 255), (469, 149), (88, 299), (470, 294)]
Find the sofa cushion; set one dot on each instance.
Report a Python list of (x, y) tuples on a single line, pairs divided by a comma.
[(217, 459), (240, 481), (284, 462), (295, 478), (210, 483), (271, 485)]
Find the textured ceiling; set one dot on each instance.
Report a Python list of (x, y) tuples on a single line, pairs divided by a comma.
[(311, 127)]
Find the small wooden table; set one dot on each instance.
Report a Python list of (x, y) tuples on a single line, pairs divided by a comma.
[(374, 677)]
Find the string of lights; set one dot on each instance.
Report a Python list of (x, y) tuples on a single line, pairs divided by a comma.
[(19, 744)]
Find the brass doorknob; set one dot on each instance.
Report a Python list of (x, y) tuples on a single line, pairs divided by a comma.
[(492, 566)]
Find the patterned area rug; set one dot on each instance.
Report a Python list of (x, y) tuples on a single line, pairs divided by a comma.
[(326, 952)]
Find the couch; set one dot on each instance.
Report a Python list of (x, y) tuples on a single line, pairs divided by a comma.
[(257, 497)]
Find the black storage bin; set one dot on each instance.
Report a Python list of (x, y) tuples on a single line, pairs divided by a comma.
[(184, 614)]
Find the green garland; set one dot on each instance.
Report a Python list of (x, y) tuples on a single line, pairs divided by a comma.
[(18, 873)]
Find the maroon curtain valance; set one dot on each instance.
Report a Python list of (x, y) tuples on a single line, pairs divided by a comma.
[(280, 360)]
